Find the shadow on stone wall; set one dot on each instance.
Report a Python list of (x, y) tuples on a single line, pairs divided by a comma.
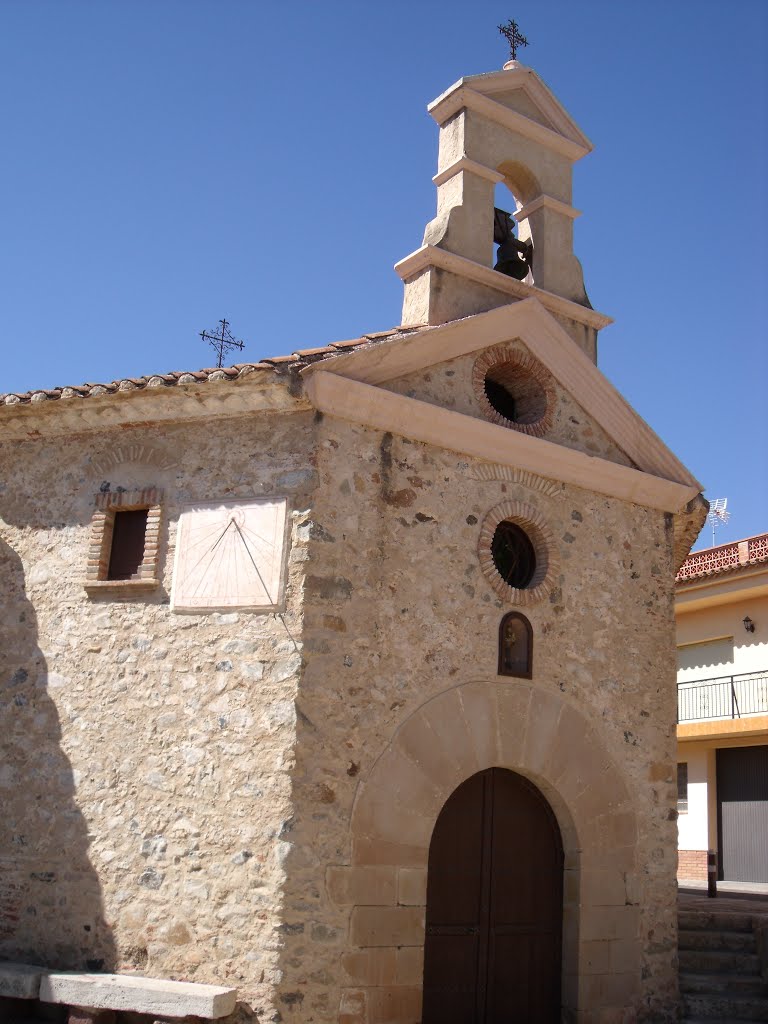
[(51, 909)]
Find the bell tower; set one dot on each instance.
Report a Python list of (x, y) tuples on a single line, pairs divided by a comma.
[(506, 128)]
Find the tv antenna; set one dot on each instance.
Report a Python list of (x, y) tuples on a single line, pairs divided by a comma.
[(718, 514), (221, 341)]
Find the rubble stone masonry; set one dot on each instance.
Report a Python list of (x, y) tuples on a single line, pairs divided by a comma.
[(246, 799)]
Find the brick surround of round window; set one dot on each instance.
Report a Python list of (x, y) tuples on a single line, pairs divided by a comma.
[(514, 390), (534, 525)]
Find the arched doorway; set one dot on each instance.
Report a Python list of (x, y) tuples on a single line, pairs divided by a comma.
[(494, 906)]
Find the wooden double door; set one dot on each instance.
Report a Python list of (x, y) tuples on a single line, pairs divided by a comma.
[(492, 952)]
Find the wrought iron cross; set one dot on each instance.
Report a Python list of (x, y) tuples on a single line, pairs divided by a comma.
[(511, 32), (222, 341)]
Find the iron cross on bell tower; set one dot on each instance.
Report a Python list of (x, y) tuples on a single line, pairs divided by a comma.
[(513, 35)]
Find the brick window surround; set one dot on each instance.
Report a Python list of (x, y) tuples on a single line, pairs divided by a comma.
[(528, 383), (108, 503), (537, 529)]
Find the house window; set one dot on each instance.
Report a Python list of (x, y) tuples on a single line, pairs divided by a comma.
[(124, 543), (682, 787), (705, 660)]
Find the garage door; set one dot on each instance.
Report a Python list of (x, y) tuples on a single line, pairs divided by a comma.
[(742, 813)]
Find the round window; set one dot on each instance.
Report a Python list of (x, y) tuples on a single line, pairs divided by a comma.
[(513, 554), (514, 394), (517, 552), (514, 390)]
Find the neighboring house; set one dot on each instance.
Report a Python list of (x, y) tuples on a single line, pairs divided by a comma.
[(346, 678), (721, 605)]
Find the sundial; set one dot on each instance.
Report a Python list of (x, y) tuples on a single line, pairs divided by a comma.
[(230, 555)]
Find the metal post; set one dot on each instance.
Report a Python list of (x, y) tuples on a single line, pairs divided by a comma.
[(711, 874)]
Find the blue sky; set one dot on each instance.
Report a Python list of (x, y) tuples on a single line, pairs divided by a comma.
[(170, 162)]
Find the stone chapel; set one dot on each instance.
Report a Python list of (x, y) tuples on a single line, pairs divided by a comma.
[(340, 687)]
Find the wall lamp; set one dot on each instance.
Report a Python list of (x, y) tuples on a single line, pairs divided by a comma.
[(748, 624)]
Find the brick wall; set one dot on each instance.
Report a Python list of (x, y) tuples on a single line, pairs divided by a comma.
[(692, 864)]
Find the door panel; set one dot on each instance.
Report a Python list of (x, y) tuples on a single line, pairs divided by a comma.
[(494, 906), (742, 813)]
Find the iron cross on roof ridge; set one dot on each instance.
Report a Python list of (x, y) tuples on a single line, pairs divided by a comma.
[(513, 35), (222, 341)]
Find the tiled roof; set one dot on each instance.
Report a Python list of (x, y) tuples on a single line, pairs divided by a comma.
[(724, 558), (275, 364)]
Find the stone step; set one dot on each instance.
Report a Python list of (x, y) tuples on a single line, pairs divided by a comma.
[(709, 961), (725, 1007), (734, 941), (697, 920), (742, 984)]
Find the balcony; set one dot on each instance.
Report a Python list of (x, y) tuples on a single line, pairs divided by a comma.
[(726, 697), (711, 561)]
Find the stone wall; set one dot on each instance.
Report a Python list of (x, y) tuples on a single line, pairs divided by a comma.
[(248, 799), (398, 614), (450, 386), (146, 756)]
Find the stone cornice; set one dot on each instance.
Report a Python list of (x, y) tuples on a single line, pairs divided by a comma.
[(432, 256), (420, 421), (133, 408), (461, 97), (550, 344), (517, 76), (550, 203), (465, 164)]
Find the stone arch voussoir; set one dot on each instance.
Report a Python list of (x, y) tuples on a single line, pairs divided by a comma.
[(535, 732)]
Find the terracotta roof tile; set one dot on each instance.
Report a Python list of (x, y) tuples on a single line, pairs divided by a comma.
[(377, 335), (280, 360), (179, 378), (302, 353), (352, 343)]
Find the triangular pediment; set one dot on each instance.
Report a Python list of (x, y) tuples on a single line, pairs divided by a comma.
[(509, 95), (358, 386), (546, 407)]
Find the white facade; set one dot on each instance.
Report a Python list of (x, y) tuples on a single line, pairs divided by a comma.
[(722, 680)]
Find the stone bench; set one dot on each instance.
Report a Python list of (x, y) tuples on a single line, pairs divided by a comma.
[(127, 992)]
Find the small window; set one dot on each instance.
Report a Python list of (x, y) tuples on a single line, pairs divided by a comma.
[(517, 552), (515, 394), (513, 554), (129, 532), (123, 550), (682, 787), (514, 390)]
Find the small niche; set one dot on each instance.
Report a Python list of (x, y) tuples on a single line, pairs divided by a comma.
[(515, 646)]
